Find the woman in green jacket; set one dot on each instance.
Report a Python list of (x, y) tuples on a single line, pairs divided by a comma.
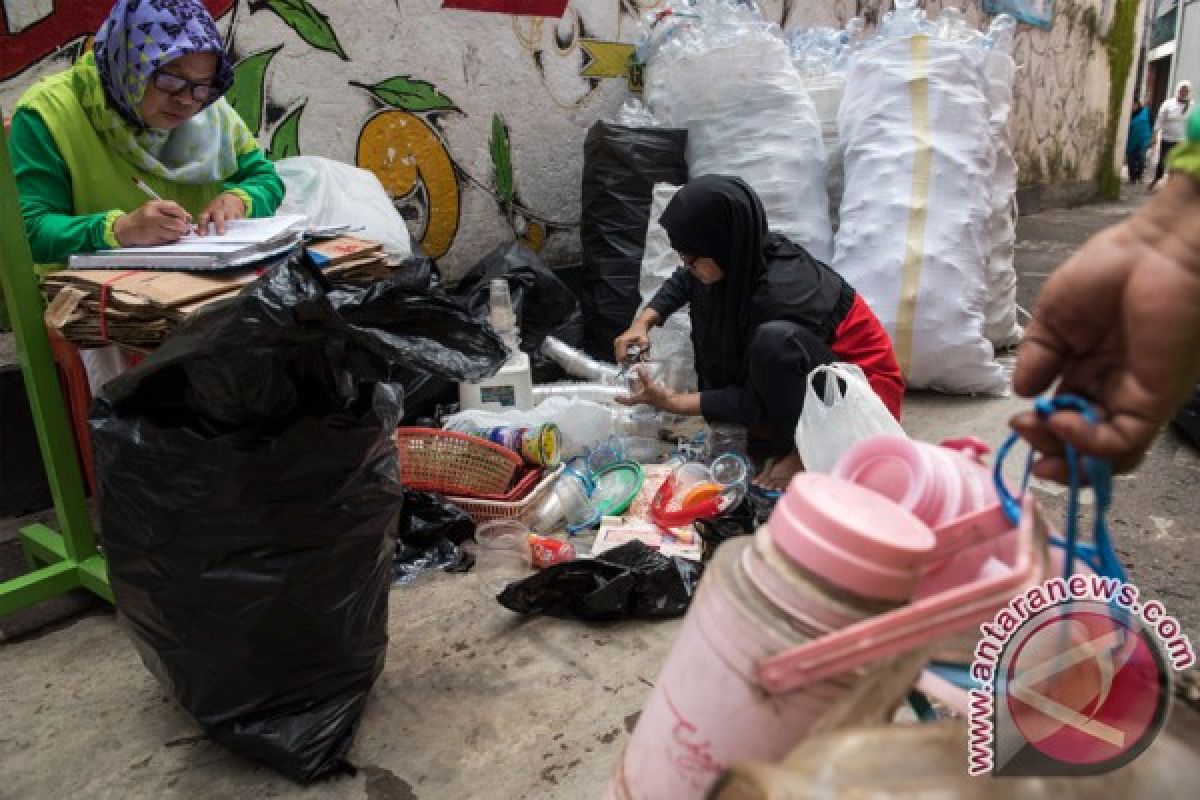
[(145, 105)]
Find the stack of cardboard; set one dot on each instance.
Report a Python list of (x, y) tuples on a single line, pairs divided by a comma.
[(137, 309)]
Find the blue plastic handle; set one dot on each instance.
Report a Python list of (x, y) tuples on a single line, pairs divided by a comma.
[(1100, 556)]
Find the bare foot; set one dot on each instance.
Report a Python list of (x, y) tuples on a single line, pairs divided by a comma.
[(778, 473)]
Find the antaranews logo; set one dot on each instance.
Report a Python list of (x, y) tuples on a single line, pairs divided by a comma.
[(1074, 678)]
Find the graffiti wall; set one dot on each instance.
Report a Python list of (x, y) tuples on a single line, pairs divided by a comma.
[(473, 112)]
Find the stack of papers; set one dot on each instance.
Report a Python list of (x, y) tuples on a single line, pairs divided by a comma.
[(245, 242), (137, 309)]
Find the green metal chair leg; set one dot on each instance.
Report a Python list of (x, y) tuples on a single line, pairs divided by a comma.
[(70, 558)]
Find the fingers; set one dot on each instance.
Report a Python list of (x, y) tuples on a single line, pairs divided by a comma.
[(218, 220), (1121, 441), (1040, 359), (627, 399)]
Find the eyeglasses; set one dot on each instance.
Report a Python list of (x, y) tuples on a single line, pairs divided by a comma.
[(173, 84)]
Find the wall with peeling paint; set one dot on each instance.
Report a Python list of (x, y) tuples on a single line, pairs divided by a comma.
[(474, 120)]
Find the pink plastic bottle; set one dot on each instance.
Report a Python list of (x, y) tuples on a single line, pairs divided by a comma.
[(831, 554), (937, 483)]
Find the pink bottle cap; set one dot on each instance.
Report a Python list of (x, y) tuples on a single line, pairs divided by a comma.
[(850, 536)]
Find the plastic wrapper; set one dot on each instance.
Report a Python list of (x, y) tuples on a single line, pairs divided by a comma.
[(620, 167), (545, 306), (727, 76), (632, 581), (429, 537), (916, 246), (582, 422), (331, 193), (579, 364), (248, 488)]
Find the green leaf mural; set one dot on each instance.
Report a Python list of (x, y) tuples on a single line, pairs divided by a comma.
[(285, 141), (502, 160), (408, 94), (249, 79), (312, 26)]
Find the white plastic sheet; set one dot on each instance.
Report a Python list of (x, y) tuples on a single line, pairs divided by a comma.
[(329, 192)]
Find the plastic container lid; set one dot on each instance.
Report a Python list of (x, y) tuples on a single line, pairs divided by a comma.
[(616, 487), (850, 536)]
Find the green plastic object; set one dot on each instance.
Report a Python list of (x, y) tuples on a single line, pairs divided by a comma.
[(616, 487), (66, 559)]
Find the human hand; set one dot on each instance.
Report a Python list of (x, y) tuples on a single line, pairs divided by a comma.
[(1118, 323), (155, 222), (638, 334), (648, 391), (224, 207)]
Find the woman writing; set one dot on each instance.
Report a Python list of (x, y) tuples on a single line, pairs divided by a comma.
[(145, 105), (764, 314)]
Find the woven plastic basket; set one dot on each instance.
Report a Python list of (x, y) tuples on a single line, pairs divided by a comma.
[(486, 510), (453, 463)]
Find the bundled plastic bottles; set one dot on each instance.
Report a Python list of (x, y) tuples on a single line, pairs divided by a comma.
[(718, 69), (920, 218)]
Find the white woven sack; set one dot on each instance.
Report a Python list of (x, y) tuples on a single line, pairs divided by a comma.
[(913, 238), (748, 114), (673, 341), (826, 92), (1000, 308)]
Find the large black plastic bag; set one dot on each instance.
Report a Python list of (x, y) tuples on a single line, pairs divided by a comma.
[(632, 581), (543, 303), (249, 492), (620, 167)]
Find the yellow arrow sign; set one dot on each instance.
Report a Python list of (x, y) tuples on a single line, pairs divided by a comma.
[(606, 59)]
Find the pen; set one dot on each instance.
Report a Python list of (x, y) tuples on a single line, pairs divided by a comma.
[(153, 195), (141, 184)]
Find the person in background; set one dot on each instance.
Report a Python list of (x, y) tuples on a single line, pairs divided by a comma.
[(145, 104), (764, 313), (1170, 126), (1138, 141), (1119, 323)]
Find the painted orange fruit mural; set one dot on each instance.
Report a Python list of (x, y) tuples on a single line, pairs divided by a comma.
[(411, 162), (402, 146)]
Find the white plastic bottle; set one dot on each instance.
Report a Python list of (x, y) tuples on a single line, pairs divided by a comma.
[(511, 387)]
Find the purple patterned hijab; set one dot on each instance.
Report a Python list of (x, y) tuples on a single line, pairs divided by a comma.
[(140, 36)]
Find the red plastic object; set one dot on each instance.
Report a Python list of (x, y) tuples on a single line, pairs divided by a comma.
[(685, 516), (77, 395)]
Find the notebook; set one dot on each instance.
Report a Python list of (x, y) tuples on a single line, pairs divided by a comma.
[(244, 242)]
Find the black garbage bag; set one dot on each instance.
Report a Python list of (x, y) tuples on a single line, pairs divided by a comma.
[(249, 486), (741, 520), (620, 167), (632, 581), (1187, 421), (544, 304), (430, 536)]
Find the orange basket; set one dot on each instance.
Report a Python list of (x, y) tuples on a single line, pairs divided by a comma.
[(454, 463), (486, 510)]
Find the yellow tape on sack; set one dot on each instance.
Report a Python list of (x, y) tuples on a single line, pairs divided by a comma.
[(914, 244)]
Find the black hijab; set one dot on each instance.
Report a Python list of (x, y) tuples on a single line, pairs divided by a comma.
[(767, 277)]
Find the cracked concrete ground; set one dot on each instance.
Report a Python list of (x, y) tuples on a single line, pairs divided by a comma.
[(474, 703)]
